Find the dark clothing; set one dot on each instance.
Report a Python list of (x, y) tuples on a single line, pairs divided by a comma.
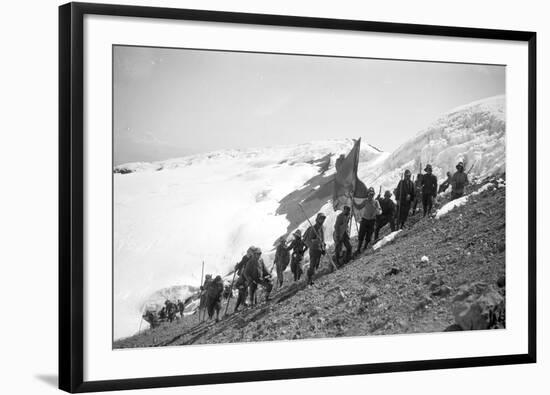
[(314, 238), (298, 249), (256, 273), (343, 241), (429, 185), (296, 265), (213, 298), (427, 204), (151, 318), (255, 270), (383, 220), (266, 283), (340, 226), (405, 194), (403, 213), (429, 191), (171, 310), (405, 191), (314, 261), (387, 206), (341, 237), (241, 265), (282, 259), (242, 287), (298, 246), (366, 229), (456, 195), (458, 182), (443, 187)]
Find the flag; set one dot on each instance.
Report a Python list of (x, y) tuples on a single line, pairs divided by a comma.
[(345, 179)]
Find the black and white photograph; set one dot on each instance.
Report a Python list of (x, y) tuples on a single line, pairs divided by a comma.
[(282, 197)]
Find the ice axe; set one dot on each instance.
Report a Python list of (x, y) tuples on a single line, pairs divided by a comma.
[(471, 167), (316, 234)]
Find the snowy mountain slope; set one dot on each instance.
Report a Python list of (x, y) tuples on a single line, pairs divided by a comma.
[(473, 133), (169, 216)]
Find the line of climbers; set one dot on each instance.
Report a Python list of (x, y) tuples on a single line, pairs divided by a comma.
[(375, 214), (168, 313)]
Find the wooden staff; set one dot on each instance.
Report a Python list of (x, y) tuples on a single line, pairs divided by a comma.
[(471, 167)]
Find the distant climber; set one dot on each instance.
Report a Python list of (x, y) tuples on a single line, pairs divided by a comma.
[(341, 236), (314, 239), (202, 300), (162, 313), (298, 248), (282, 259), (170, 310), (458, 181), (181, 307), (256, 273), (445, 184), (417, 192), (241, 284), (151, 318), (214, 291), (370, 208), (387, 216), (404, 194), (429, 189)]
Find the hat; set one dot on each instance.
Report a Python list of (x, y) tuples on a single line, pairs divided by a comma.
[(297, 232), (321, 215), (346, 207), (370, 190), (407, 172), (460, 164), (257, 250), (428, 167), (387, 193), (250, 250)]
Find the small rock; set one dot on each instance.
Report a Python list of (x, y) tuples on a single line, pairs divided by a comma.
[(434, 285), (341, 297), (371, 294), (428, 279), (501, 282), (425, 259), (423, 303), (442, 291), (392, 272)]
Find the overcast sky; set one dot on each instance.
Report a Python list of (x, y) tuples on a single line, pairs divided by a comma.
[(175, 102)]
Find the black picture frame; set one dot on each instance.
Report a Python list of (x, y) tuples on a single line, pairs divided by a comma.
[(71, 195)]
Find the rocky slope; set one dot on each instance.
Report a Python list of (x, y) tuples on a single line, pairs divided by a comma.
[(393, 290)]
